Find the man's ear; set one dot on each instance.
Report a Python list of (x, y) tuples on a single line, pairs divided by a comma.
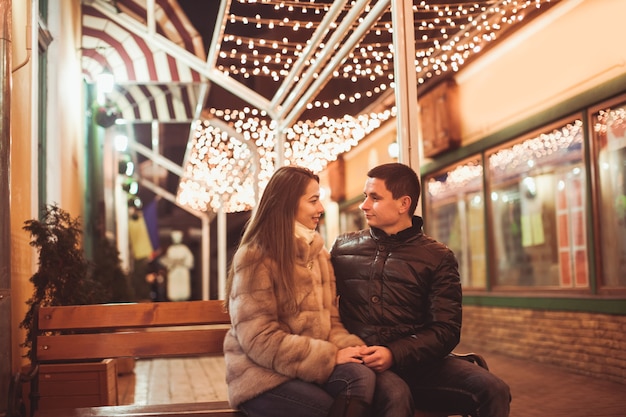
[(405, 204)]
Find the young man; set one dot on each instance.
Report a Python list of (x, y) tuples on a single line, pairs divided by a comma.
[(400, 292)]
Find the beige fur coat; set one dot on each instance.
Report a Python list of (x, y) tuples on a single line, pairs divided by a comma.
[(264, 349)]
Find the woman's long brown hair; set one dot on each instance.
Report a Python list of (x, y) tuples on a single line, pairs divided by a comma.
[(272, 229)]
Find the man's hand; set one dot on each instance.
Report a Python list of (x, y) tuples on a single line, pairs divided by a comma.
[(378, 358)]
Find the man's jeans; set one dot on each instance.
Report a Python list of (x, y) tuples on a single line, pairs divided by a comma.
[(392, 397), (457, 386), (297, 398)]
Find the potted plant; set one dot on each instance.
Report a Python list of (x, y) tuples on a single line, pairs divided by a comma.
[(64, 276)]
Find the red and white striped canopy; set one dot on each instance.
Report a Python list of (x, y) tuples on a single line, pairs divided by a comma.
[(150, 84)]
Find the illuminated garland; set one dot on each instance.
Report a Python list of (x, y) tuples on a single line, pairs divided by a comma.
[(220, 169), (529, 152), (446, 36)]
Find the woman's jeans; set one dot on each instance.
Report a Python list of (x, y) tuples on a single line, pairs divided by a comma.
[(297, 398)]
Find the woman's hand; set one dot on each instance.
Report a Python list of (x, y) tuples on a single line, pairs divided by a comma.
[(349, 354)]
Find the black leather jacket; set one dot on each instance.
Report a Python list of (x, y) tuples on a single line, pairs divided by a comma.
[(401, 291)]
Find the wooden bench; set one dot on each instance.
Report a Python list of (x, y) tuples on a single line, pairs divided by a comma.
[(144, 330)]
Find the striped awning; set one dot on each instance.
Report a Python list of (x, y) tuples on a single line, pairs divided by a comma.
[(167, 103), (150, 84)]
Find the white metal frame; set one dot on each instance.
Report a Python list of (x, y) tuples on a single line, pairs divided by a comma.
[(291, 98)]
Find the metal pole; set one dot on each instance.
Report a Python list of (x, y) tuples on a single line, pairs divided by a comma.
[(206, 257), (5, 200), (321, 60), (339, 57), (309, 51), (222, 250), (406, 84)]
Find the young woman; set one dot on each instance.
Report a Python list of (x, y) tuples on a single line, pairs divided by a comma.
[(287, 354)]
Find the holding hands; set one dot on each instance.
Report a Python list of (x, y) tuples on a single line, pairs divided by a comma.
[(350, 354), (377, 358)]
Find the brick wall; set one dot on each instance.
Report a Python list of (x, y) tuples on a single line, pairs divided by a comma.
[(585, 343)]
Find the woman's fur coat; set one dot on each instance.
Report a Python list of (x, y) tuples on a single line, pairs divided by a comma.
[(266, 347)]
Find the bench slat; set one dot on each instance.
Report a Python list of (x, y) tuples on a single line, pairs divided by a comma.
[(143, 330), (131, 344), (104, 316), (214, 409)]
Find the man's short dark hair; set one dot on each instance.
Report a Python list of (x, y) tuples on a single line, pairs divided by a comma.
[(400, 180)]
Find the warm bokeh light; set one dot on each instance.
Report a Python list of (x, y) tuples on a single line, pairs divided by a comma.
[(509, 161), (221, 169), (234, 149)]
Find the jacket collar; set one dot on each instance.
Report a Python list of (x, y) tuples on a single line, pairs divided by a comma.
[(401, 236), (305, 251)]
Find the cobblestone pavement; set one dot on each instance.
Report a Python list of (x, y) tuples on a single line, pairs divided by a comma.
[(538, 390), (543, 390)]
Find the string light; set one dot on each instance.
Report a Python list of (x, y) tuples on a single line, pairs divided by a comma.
[(456, 180), (220, 169), (613, 120), (447, 35), (545, 146), (509, 161)]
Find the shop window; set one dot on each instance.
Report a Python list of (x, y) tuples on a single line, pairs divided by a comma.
[(537, 210), (609, 140), (454, 215)]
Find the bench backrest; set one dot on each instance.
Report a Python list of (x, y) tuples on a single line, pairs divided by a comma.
[(140, 330)]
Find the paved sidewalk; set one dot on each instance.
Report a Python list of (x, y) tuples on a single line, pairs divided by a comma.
[(542, 390), (538, 390)]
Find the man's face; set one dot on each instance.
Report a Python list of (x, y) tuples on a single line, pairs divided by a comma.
[(382, 210)]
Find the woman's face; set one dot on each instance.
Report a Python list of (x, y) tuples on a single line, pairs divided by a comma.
[(310, 207)]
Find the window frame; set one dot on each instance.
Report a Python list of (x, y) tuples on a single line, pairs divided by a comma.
[(595, 197)]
